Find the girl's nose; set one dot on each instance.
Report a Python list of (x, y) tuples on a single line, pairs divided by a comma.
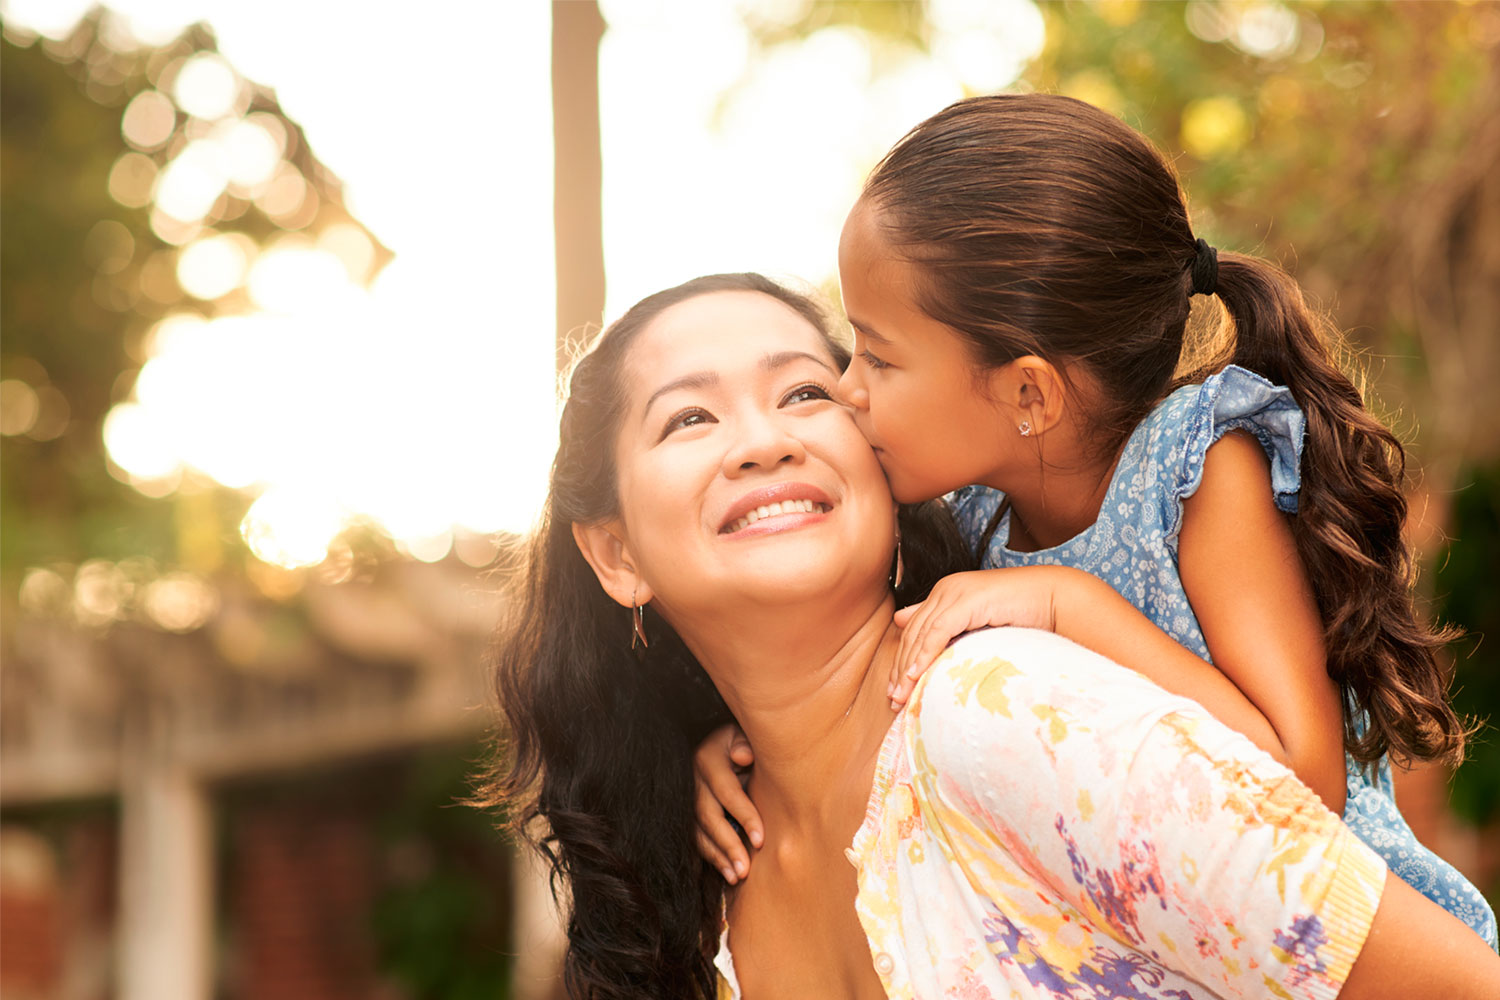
[(851, 388)]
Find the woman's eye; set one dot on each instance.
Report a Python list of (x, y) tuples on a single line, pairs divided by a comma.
[(872, 360), (687, 418), (804, 393)]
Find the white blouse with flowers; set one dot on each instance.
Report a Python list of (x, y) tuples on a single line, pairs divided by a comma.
[(1046, 823)]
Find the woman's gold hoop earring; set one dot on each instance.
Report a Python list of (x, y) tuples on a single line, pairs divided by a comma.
[(898, 567), (637, 623), (1025, 428)]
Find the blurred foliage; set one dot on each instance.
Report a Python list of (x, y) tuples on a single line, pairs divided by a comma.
[(1469, 596), (85, 279), (900, 23), (56, 150), (445, 900)]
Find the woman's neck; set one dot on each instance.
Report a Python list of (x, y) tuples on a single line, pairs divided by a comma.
[(815, 710)]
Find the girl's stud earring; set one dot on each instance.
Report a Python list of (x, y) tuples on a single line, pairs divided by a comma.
[(1026, 428)]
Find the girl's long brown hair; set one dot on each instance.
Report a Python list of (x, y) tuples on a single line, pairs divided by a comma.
[(1039, 224)]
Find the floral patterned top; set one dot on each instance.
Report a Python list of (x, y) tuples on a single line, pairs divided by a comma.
[(1044, 823), (1133, 547)]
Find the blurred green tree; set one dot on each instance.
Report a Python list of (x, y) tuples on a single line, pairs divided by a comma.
[(63, 240), (89, 265)]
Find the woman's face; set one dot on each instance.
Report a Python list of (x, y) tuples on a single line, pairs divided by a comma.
[(912, 382), (740, 478)]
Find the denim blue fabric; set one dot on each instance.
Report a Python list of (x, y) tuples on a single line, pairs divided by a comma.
[(1133, 547)]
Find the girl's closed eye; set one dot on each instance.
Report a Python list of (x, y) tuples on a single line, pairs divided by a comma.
[(692, 416), (872, 360)]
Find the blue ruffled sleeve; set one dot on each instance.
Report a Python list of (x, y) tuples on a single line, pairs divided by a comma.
[(1237, 399), (972, 507)]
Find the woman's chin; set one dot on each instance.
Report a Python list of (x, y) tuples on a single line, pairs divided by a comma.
[(782, 576)]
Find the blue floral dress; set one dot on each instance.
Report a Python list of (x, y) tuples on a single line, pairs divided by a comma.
[(1133, 548)]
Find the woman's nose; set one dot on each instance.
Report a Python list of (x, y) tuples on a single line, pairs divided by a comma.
[(851, 388), (763, 444)]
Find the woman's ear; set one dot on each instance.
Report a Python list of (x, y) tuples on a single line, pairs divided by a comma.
[(605, 548), (1037, 390)]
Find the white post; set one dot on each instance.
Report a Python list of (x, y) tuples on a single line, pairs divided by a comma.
[(166, 872), (539, 935)]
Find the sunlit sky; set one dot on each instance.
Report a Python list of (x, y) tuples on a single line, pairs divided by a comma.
[(426, 400)]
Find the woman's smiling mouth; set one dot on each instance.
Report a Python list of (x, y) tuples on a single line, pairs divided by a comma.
[(801, 502), (776, 510)]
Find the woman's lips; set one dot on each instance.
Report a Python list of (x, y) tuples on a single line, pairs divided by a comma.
[(779, 509), (774, 501)]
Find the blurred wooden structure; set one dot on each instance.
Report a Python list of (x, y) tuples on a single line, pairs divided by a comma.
[(155, 725)]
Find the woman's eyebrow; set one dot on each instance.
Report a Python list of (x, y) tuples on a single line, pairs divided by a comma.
[(697, 380), (771, 362), (707, 380)]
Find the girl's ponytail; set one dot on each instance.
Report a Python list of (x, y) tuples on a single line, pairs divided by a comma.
[(1039, 224), (1348, 527)]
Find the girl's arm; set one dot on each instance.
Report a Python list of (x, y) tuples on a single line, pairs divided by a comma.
[(1245, 581), (1080, 607), (1251, 595), (1414, 949)]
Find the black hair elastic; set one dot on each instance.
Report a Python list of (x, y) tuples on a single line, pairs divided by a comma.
[(1205, 269)]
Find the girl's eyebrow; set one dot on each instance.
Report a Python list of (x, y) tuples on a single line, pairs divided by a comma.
[(707, 380), (865, 329)]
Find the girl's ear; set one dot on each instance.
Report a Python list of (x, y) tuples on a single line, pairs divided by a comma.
[(1037, 390), (607, 550)]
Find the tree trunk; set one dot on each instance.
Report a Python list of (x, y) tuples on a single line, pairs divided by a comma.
[(577, 27)]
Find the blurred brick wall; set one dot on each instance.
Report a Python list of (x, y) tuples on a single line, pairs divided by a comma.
[(31, 939), (300, 888), (57, 903)]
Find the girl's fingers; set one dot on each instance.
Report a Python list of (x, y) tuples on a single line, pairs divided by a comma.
[(917, 637), (740, 751), (714, 856), (903, 652), (957, 620), (895, 679), (902, 692), (729, 853), (904, 615), (904, 679), (734, 801)]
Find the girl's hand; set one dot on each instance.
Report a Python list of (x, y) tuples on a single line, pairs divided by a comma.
[(720, 765), (961, 603)]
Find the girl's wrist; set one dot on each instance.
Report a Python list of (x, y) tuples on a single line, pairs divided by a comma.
[(1069, 589)]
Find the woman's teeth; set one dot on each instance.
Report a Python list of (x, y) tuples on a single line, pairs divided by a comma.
[(774, 509)]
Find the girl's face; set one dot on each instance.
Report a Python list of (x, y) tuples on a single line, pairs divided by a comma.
[(914, 388), (740, 478)]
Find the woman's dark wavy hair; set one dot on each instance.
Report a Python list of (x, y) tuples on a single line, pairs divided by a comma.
[(1041, 225), (600, 738)]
